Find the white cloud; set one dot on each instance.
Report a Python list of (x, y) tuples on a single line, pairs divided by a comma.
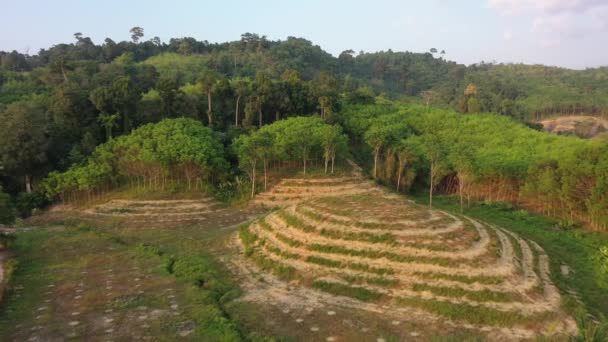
[(556, 20), (547, 6)]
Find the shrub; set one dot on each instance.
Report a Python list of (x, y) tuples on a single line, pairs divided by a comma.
[(7, 211), (27, 203)]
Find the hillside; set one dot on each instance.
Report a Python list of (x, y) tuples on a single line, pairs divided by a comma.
[(266, 190), (579, 125), (405, 263)]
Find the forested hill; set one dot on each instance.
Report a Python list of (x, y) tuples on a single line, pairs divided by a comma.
[(58, 105), (523, 91)]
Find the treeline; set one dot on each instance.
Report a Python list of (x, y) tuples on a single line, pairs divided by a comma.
[(58, 105), (483, 157), (174, 152), (300, 139), (183, 154)]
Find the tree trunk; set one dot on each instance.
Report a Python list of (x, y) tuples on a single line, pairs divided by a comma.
[(260, 118), (460, 188), (304, 165), (265, 174), (209, 112), (326, 162), (398, 181), (333, 158), (65, 76), (253, 181), (236, 112), (431, 188), (376, 154), (28, 183)]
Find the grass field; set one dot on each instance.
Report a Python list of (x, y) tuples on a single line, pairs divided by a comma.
[(369, 265)]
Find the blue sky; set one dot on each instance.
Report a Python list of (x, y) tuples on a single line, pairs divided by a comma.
[(569, 33)]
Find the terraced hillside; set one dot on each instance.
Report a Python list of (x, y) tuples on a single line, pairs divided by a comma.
[(393, 256), (158, 210)]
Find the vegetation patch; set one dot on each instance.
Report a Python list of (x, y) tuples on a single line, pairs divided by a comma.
[(479, 296), (359, 293)]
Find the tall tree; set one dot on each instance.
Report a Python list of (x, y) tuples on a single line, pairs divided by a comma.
[(263, 87), (168, 92), (136, 34), (241, 88), (108, 122), (23, 140), (208, 80)]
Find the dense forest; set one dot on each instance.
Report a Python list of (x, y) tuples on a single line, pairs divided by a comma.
[(85, 113)]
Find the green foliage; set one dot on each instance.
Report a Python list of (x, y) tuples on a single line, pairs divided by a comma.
[(493, 157), (575, 248), (590, 331), (26, 203), (23, 139), (7, 210), (359, 293), (178, 149), (472, 314)]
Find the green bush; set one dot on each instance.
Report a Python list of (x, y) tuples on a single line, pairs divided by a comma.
[(7, 211), (26, 203)]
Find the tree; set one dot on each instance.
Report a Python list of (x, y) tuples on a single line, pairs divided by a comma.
[(432, 141), (262, 141), (427, 96), (168, 92), (124, 97), (249, 150), (241, 88), (253, 106), (108, 121), (23, 140), (325, 105), (263, 86), (7, 210), (208, 80), (406, 151), (136, 34), (461, 158), (332, 140), (381, 134)]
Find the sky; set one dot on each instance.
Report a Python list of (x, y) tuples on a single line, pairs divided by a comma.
[(567, 33)]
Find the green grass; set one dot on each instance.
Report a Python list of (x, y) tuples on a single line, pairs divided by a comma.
[(479, 296), (57, 255), (366, 268), (359, 293), (295, 222), (574, 247), (281, 253), (386, 238), (349, 212), (333, 249), (379, 281), (353, 266), (474, 314), (461, 278), (323, 262)]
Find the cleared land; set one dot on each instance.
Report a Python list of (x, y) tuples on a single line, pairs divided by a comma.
[(390, 256), (581, 125), (338, 259)]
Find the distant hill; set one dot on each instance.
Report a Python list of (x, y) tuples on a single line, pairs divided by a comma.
[(527, 92)]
